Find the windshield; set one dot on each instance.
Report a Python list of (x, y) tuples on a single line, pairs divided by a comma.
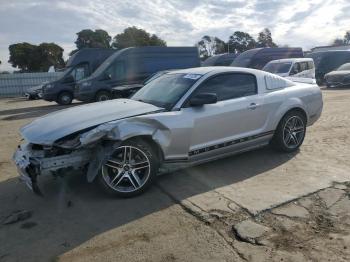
[(344, 67), (278, 68), (166, 90)]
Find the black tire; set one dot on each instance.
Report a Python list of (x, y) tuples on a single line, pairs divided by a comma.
[(121, 183), (64, 98), (289, 139), (103, 96)]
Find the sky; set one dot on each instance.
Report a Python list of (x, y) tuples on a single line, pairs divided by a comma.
[(299, 23)]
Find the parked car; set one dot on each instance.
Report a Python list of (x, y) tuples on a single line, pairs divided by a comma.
[(328, 61), (129, 67), (182, 118), (220, 60), (339, 77), (258, 57), (79, 66), (131, 89), (295, 67)]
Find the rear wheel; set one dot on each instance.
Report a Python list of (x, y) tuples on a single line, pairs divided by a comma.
[(103, 96), (290, 132), (130, 170), (64, 98)]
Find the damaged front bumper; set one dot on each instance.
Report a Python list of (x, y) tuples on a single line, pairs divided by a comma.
[(32, 163)]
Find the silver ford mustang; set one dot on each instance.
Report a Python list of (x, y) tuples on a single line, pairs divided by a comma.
[(181, 118)]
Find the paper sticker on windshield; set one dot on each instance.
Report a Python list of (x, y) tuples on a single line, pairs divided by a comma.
[(192, 76)]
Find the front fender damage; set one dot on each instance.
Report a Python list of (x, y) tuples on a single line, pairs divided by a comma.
[(117, 132), (94, 149)]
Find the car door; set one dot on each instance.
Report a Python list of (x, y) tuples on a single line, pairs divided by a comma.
[(232, 122)]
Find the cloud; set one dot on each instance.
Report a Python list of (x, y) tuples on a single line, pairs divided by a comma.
[(304, 23)]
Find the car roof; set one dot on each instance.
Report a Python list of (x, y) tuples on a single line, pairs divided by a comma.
[(215, 69), (292, 60)]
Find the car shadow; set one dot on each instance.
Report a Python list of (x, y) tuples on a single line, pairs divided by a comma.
[(73, 211)]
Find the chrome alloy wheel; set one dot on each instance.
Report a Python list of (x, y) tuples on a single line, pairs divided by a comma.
[(293, 132), (127, 170)]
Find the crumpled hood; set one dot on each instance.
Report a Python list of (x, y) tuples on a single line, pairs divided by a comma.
[(47, 129)]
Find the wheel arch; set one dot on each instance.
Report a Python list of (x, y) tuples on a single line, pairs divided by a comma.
[(65, 91), (151, 142), (292, 109)]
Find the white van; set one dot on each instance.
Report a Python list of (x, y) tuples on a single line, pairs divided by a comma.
[(293, 67)]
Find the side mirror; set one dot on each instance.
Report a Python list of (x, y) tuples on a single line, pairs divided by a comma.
[(69, 79), (203, 99)]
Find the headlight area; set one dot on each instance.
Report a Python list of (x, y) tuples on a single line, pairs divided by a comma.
[(33, 160), (70, 142), (69, 153)]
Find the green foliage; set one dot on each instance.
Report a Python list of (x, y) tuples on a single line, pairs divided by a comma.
[(265, 39), (133, 36), (241, 41), (88, 38), (209, 46), (342, 41), (238, 42), (347, 38), (33, 58)]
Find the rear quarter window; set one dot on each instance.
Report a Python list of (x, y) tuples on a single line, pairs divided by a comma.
[(274, 82)]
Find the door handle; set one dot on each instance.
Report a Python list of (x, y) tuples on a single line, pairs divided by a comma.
[(253, 106)]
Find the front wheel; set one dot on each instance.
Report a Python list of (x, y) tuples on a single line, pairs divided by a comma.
[(103, 96), (64, 98), (290, 132), (130, 169)]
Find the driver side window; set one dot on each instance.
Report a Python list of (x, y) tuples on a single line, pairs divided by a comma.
[(230, 86)]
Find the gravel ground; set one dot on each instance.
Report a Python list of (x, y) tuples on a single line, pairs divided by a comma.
[(258, 206)]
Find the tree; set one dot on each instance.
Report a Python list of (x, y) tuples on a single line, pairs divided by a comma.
[(209, 46), (265, 39), (338, 42), (88, 38), (23, 56), (33, 58), (346, 40), (133, 36), (240, 41), (50, 55)]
